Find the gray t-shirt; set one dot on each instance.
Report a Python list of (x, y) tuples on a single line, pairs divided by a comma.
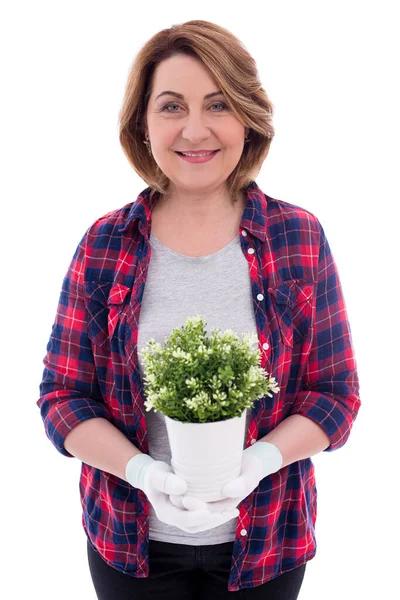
[(218, 287)]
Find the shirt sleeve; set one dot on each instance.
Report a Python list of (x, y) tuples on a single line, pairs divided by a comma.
[(69, 390), (329, 394)]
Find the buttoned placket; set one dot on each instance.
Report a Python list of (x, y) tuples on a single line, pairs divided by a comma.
[(260, 297), (245, 505), (242, 534)]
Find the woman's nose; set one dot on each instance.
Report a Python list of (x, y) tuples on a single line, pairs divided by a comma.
[(195, 129)]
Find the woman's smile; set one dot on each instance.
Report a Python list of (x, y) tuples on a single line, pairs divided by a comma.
[(198, 159)]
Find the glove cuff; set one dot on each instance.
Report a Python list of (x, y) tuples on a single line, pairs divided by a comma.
[(136, 468), (269, 455)]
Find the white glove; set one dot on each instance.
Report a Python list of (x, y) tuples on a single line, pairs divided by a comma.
[(258, 461), (157, 480)]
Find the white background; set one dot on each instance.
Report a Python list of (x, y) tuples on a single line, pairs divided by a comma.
[(331, 71)]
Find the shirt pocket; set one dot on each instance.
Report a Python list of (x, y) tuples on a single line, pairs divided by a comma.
[(293, 301), (104, 303)]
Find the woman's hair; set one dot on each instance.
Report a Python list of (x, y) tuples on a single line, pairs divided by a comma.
[(234, 70)]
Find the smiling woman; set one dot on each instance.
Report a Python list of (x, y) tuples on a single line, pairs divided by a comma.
[(194, 97), (211, 138), (201, 239)]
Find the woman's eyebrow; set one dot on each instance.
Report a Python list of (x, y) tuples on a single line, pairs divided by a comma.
[(181, 96)]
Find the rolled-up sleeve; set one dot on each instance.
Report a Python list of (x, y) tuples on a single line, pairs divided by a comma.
[(69, 390), (329, 394)]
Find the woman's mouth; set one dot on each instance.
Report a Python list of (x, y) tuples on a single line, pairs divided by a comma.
[(201, 158)]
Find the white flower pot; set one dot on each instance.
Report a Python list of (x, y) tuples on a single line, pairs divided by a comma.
[(207, 455)]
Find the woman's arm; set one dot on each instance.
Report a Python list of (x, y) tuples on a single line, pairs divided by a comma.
[(296, 438), (98, 443), (329, 394), (69, 390)]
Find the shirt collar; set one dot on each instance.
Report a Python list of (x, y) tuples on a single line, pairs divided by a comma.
[(254, 218)]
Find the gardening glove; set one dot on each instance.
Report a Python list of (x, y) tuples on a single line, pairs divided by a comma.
[(258, 461), (157, 480)]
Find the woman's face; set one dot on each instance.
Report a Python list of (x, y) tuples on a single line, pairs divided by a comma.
[(191, 122)]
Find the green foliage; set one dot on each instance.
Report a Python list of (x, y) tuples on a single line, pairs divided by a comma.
[(193, 378)]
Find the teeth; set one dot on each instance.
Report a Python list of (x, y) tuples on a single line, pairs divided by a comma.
[(203, 154)]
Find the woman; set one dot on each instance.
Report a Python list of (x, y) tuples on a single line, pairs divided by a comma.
[(201, 239)]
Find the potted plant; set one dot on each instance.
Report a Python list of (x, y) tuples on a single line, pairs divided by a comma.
[(203, 386)]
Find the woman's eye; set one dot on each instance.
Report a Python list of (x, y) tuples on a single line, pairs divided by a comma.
[(224, 106), (168, 106)]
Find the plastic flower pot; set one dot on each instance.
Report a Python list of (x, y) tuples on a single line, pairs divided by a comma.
[(206, 455)]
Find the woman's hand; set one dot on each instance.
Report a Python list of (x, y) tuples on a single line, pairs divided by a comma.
[(158, 481), (194, 516), (258, 461)]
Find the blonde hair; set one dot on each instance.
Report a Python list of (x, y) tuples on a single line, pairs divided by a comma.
[(234, 70)]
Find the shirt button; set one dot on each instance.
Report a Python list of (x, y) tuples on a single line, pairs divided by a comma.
[(265, 345), (244, 232), (243, 532), (252, 442), (260, 297), (250, 250)]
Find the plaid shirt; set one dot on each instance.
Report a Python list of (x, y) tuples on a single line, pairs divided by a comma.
[(91, 370)]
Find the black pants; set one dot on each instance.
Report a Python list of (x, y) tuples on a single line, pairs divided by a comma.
[(183, 572)]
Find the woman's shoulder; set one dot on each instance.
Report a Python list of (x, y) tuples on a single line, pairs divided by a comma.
[(288, 208), (114, 219), (292, 215)]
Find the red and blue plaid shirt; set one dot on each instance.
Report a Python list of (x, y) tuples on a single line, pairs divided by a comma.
[(91, 370)]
